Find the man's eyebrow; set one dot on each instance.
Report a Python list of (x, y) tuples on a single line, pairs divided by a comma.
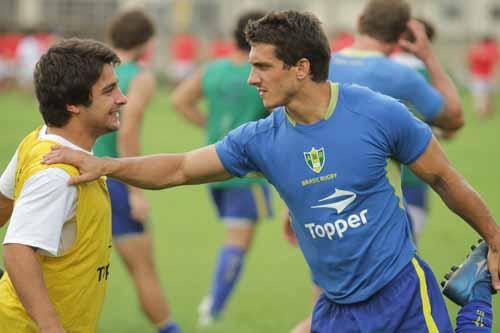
[(109, 87), (260, 63)]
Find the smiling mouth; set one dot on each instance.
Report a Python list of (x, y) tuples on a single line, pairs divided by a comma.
[(115, 113)]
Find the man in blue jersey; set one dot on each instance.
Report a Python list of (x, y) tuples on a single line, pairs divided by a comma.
[(331, 151), (381, 25), (240, 203)]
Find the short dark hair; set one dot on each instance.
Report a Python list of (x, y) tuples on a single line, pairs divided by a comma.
[(65, 76), (385, 20), (130, 29), (239, 32), (294, 35)]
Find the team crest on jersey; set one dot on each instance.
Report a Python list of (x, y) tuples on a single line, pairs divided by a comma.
[(315, 159)]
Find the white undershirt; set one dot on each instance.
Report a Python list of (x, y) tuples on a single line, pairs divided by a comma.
[(45, 205)]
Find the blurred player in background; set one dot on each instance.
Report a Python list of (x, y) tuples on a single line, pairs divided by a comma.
[(28, 52), (240, 203), (483, 57), (415, 191), (58, 242), (131, 33), (326, 148), (381, 25)]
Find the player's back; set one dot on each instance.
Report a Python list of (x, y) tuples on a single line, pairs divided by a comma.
[(377, 72)]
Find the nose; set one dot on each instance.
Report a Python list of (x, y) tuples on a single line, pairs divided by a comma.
[(253, 78), (121, 99)]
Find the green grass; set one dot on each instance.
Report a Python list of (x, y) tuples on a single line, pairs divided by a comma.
[(274, 291)]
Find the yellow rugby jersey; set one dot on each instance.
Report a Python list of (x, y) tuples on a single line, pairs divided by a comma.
[(77, 280)]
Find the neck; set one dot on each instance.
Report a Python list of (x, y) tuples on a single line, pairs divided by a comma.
[(74, 134), (127, 55), (311, 103), (367, 43), (239, 57)]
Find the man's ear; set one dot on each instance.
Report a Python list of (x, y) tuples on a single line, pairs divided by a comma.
[(73, 109), (303, 68)]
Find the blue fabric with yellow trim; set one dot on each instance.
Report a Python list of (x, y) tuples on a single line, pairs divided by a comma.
[(340, 179), (411, 302), (247, 203)]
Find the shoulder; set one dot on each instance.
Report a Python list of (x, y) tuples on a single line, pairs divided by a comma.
[(369, 104), (262, 128), (33, 156)]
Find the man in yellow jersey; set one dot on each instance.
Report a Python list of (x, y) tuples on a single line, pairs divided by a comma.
[(58, 242)]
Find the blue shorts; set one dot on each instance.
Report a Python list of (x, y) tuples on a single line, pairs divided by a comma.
[(410, 303), (416, 195), (242, 203), (122, 222)]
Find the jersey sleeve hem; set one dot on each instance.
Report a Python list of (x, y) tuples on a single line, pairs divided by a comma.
[(32, 243), (224, 158), (421, 149)]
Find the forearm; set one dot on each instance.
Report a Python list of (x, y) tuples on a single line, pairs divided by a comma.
[(462, 199), (452, 117), (166, 170), (147, 172), (192, 114), (26, 276)]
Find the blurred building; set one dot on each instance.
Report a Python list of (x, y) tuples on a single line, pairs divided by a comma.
[(458, 21)]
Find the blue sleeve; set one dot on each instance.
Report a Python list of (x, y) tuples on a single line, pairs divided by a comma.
[(421, 95), (408, 137), (234, 153)]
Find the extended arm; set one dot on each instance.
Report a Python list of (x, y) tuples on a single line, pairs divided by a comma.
[(186, 97), (152, 172), (26, 275), (451, 117), (434, 168)]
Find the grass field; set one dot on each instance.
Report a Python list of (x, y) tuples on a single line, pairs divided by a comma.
[(274, 292)]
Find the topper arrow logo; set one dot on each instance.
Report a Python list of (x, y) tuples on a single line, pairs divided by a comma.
[(339, 206)]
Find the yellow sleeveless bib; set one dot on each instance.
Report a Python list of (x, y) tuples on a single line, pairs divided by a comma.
[(77, 280)]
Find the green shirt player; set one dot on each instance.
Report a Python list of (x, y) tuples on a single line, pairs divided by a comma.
[(240, 202), (131, 34)]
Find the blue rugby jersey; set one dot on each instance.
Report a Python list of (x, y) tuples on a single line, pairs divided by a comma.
[(340, 179), (381, 74)]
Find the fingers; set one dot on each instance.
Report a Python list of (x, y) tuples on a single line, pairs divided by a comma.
[(52, 158), (493, 258), (57, 147), (58, 154), (406, 45), (83, 178)]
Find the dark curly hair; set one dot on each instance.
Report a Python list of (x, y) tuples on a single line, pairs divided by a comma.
[(294, 35), (65, 76)]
